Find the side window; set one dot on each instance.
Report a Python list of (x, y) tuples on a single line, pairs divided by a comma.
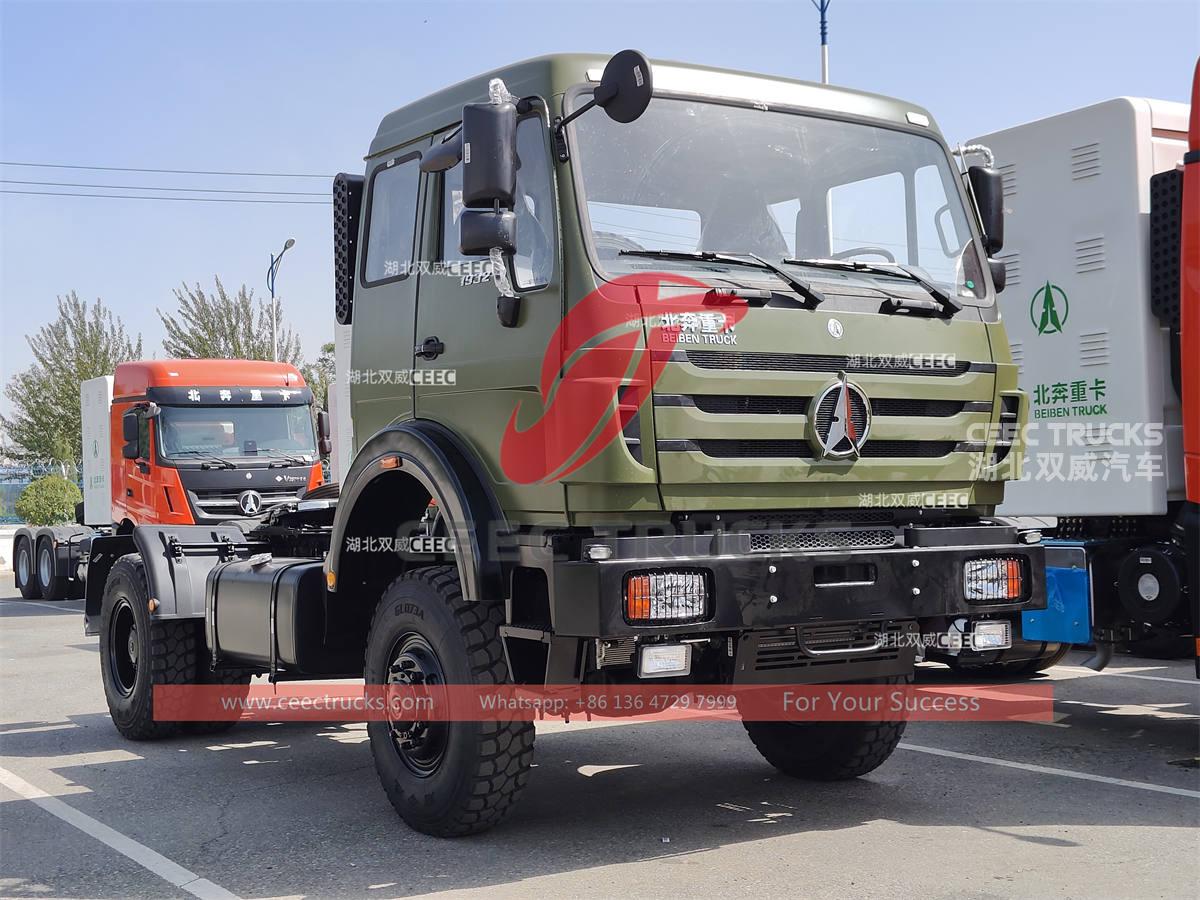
[(392, 221), (869, 213), (534, 259), (451, 208)]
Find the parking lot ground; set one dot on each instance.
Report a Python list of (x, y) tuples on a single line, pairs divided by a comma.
[(1102, 802)]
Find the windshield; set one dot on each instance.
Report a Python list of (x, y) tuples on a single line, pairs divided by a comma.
[(693, 175), (235, 431)]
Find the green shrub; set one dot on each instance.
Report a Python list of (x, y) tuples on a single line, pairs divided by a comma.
[(48, 501)]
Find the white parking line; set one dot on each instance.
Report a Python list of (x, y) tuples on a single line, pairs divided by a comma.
[(1084, 671), (148, 859), (1047, 770)]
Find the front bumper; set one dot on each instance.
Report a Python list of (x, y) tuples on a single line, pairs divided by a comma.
[(921, 577)]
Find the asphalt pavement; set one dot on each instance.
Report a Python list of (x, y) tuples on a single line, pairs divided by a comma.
[(1102, 802)]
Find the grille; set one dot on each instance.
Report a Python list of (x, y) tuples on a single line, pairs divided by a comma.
[(728, 404), (1166, 211), (780, 648), (721, 448), (221, 500), (769, 406), (811, 519), (619, 652), (1085, 161), (347, 204), (811, 362), (764, 541)]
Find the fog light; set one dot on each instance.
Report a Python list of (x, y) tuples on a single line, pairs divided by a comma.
[(665, 660), (991, 635), (666, 597), (994, 580)]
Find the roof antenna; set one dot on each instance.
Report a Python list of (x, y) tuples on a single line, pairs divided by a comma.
[(822, 6)]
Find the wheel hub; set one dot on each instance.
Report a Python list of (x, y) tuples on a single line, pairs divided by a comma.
[(23, 566), (123, 648), (420, 745), (44, 566)]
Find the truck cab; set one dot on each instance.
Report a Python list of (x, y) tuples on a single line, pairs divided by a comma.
[(178, 442), (205, 441)]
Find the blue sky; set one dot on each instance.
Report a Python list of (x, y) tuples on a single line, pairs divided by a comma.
[(299, 87)]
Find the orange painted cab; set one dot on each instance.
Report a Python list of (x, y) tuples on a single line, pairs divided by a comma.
[(200, 441)]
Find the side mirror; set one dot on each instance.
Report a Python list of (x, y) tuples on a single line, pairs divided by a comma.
[(129, 450), (489, 155), (999, 273), (129, 427), (625, 87), (988, 189), (481, 230), (624, 92), (324, 440)]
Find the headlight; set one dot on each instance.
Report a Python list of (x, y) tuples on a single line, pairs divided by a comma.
[(666, 597), (994, 580)]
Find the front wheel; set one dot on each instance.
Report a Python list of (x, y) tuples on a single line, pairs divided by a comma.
[(137, 652), (827, 751), (444, 778)]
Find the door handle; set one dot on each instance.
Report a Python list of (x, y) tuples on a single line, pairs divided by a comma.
[(128, 492), (430, 348)]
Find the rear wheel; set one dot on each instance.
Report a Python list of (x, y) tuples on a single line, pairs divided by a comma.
[(827, 751), (138, 652), (23, 572), (52, 585), (444, 778)]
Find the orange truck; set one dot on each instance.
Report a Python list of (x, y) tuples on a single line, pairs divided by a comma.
[(178, 442)]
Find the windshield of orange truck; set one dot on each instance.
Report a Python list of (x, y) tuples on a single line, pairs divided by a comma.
[(235, 431), (691, 175)]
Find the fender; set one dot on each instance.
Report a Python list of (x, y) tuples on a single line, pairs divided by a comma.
[(175, 580), (435, 457)]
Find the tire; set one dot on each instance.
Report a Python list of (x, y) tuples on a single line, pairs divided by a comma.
[(160, 651), (205, 675), (827, 751), (329, 491), (455, 778), (52, 585), (24, 570)]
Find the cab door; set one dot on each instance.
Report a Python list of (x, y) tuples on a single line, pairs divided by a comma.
[(136, 484), (476, 370), (381, 353)]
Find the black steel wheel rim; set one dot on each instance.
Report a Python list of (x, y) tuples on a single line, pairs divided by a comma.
[(123, 649), (413, 663)]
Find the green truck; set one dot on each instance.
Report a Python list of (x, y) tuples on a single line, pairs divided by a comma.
[(706, 385)]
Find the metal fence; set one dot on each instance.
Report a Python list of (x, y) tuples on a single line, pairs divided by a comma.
[(16, 475)]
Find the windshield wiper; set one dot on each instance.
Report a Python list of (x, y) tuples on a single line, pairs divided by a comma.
[(290, 456), (803, 288), (945, 302), (211, 459)]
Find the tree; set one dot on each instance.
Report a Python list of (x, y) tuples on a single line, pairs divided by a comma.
[(83, 342), (319, 375), (48, 501), (217, 326)]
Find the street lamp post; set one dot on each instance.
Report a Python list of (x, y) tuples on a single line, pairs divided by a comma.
[(272, 271)]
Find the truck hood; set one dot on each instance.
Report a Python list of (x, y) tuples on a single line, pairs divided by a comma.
[(785, 406)]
